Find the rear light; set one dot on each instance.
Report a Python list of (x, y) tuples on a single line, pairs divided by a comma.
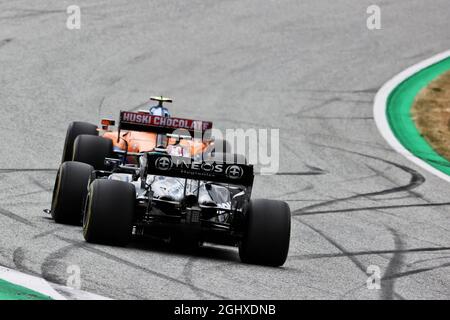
[(106, 123)]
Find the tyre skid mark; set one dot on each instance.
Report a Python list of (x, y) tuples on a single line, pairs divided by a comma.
[(323, 103), (18, 195), (421, 261), (416, 180), (370, 91), (334, 118), (17, 203), (417, 271), (100, 106), (85, 246), (19, 253), (298, 173), (403, 206), (18, 259), (352, 141), (14, 170), (368, 252), (39, 184), (394, 266), (47, 233), (5, 41), (30, 13), (308, 187), (187, 274), (382, 174), (52, 260), (345, 253), (15, 217)]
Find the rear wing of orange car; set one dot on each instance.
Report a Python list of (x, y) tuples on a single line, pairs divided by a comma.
[(143, 121)]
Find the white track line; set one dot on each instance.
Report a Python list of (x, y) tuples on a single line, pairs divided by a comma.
[(380, 105), (44, 287)]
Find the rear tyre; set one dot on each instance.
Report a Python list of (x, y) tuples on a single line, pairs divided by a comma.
[(69, 192), (92, 150), (73, 131), (267, 237), (109, 213)]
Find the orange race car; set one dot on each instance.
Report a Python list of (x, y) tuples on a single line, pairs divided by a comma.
[(139, 132), (138, 141)]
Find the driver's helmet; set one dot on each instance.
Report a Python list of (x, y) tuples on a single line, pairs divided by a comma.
[(159, 111)]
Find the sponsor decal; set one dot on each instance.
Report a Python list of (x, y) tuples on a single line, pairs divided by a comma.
[(158, 121), (206, 169), (163, 163), (234, 172), (188, 168)]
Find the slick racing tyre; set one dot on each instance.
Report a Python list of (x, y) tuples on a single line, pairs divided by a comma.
[(266, 240), (92, 150), (73, 131), (109, 213), (69, 192)]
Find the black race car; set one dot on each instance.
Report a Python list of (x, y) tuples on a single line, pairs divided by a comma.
[(195, 199)]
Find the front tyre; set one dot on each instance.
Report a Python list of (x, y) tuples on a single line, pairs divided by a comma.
[(69, 192), (109, 213), (267, 236)]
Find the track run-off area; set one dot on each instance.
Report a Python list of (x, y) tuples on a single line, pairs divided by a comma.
[(310, 68)]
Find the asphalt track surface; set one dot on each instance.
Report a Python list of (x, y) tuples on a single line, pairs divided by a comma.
[(311, 68)]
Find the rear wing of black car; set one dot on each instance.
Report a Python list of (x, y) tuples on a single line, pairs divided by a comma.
[(165, 165), (144, 121)]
